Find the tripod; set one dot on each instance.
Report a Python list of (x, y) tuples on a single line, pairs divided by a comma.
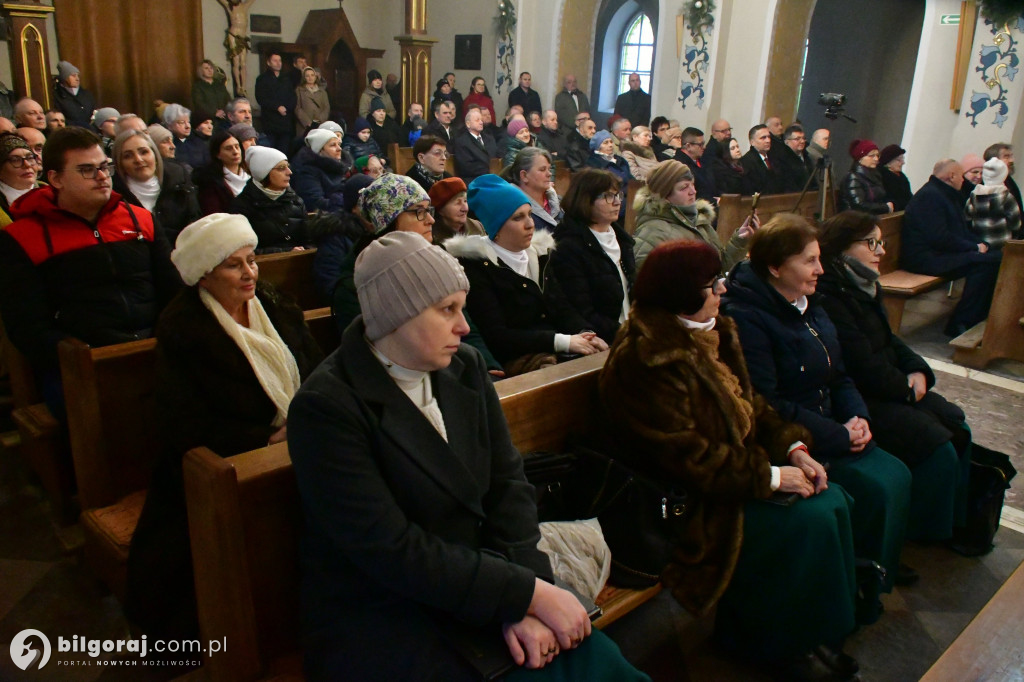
[(823, 174)]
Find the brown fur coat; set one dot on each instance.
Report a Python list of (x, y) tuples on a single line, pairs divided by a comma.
[(666, 403)]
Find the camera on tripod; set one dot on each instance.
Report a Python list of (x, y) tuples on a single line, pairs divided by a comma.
[(833, 103)]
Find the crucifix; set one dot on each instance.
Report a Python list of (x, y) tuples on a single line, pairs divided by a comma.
[(236, 40)]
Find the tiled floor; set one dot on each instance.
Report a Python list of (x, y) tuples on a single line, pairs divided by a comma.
[(43, 586)]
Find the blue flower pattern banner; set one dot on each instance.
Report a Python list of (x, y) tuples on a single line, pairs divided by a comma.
[(696, 58), (997, 61)]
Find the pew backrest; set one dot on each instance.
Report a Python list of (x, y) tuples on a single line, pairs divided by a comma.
[(292, 273), (892, 227), (110, 400), (733, 209), (244, 521), (629, 222), (562, 177)]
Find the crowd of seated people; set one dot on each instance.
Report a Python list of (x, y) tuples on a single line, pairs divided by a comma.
[(475, 277)]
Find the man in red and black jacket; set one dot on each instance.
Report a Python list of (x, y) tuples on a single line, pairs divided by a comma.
[(78, 261)]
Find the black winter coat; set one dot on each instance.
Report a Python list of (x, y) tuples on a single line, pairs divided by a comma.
[(728, 178), (897, 188), (273, 91), (178, 203), (795, 169), (588, 277), (280, 224), (77, 109), (863, 190), (935, 238), (208, 395), (577, 151), (356, 147), (387, 134), (795, 361), (318, 179), (472, 160), (879, 363), (757, 177), (214, 194), (514, 314)]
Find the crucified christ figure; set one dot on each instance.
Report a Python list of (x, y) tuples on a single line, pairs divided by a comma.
[(236, 40)]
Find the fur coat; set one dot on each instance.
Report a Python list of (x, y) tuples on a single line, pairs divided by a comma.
[(665, 401), (641, 160)]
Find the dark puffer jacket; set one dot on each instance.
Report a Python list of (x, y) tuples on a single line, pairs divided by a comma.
[(280, 224), (589, 278), (77, 109), (178, 203), (318, 179), (863, 190), (356, 147), (795, 361), (103, 282)]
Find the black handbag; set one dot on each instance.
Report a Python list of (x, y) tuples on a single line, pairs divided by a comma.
[(550, 473), (639, 515), (991, 473)]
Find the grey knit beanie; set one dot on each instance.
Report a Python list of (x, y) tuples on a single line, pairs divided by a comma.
[(399, 276), (65, 69)]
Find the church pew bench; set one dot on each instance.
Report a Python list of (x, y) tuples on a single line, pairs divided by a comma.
[(989, 648), (1002, 334), (245, 516), (562, 177), (110, 394), (899, 286), (629, 221), (733, 209), (43, 443), (292, 273)]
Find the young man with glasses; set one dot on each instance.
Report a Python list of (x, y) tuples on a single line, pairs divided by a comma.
[(79, 261), (693, 151)]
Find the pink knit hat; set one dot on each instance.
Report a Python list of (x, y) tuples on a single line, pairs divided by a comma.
[(971, 162)]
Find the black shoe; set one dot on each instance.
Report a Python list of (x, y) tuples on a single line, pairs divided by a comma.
[(806, 668), (906, 576), (843, 665), (954, 330)]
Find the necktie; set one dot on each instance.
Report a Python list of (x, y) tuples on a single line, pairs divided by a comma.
[(767, 163), (480, 142)]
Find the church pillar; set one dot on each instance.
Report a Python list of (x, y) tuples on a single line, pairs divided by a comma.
[(415, 47), (29, 51)]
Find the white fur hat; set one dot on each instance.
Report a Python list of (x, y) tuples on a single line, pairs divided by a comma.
[(205, 244), (317, 138), (994, 172), (261, 160)]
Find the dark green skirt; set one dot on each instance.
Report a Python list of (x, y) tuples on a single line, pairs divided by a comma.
[(794, 585), (597, 659), (938, 501), (881, 487)]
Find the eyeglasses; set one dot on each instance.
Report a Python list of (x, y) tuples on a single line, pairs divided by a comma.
[(440, 153), (420, 212), (19, 161), (718, 283), (872, 243), (611, 197), (701, 145), (89, 171)]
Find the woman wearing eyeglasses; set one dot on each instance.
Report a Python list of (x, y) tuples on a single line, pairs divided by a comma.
[(668, 208), (594, 262), (274, 210), (431, 153), (18, 169), (862, 188), (908, 419)]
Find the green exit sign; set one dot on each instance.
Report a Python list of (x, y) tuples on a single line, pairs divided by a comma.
[(949, 19)]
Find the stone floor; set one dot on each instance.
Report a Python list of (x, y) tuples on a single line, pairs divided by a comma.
[(44, 586)]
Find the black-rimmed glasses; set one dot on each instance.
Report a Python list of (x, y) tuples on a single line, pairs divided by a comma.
[(420, 212), (872, 243)]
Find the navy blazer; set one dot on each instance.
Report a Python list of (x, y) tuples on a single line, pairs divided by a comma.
[(404, 532)]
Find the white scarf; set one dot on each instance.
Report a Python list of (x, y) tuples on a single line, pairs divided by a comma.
[(517, 260), (274, 194), (416, 385), (269, 356), (800, 304), (236, 183), (610, 245), (12, 194), (698, 326), (147, 192)]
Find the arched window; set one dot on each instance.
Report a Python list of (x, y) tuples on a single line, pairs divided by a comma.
[(637, 54)]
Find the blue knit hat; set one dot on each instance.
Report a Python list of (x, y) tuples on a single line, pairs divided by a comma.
[(361, 125), (599, 137), (493, 201)]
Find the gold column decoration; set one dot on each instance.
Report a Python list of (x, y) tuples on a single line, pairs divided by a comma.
[(415, 48), (29, 51)]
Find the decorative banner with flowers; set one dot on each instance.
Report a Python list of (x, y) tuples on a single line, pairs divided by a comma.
[(699, 19), (505, 64), (996, 61)]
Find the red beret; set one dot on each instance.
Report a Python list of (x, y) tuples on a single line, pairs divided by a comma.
[(444, 191), (861, 148)]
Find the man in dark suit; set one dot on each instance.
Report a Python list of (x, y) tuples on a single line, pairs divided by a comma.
[(472, 149), (795, 165), (634, 104), (524, 96), (276, 97), (577, 147), (693, 148), (759, 172), (721, 131), (569, 103), (441, 126), (551, 135)]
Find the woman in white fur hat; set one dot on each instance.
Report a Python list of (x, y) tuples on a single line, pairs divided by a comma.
[(231, 354)]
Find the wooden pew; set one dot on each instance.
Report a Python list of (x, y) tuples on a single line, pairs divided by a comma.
[(898, 286), (110, 394), (1002, 334), (629, 223), (989, 648), (733, 209), (244, 521), (496, 166), (292, 273), (562, 178)]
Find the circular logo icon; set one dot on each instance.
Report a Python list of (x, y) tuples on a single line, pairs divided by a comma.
[(30, 649)]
